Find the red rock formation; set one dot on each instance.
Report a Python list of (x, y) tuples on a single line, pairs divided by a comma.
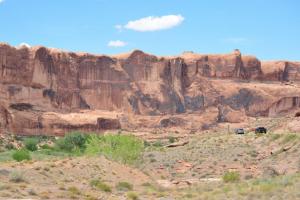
[(281, 71), (285, 104), (36, 81), (232, 65)]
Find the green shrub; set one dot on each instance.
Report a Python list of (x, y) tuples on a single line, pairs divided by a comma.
[(100, 185), (21, 154), (231, 177), (124, 186), (72, 142), (31, 144), (124, 148)]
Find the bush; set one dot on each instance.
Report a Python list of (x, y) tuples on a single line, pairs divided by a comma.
[(124, 186), (21, 154), (16, 177), (231, 177), (31, 144), (61, 144), (9, 146), (124, 148), (146, 143), (172, 139), (100, 185), (46, 146), (71, 142), (158, 143), (74, 190), (132, 196)]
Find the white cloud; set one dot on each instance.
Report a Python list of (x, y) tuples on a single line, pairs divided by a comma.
[(116, 43), (153, 23), (23, 44)]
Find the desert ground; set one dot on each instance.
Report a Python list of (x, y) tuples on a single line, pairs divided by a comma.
[(212, 164)]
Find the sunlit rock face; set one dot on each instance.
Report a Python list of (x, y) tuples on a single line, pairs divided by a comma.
[(36, 81), (281, 70)]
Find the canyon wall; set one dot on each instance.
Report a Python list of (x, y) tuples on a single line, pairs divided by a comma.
[(37, 81)]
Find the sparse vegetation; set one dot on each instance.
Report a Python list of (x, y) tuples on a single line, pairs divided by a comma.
[(100, 185), (158, 143), (74, 190), (208, 156), (46, 146), (20, 155), (172, 139), (124, 148), (253, 153), (31, 144), (124, 186), (288, 138), (275, 137), (16, 177), (72, 142), (231, 177), (146, 143), (132, 196), (9, 146)]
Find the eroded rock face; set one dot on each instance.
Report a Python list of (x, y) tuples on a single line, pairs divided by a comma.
[(89, 121), (5, 118), (226, 114), (232, 66), (281, 71), (37, 81), (285, 104)]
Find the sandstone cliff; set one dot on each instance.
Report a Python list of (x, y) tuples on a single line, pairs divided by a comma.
[(35, 82), (281, 70)]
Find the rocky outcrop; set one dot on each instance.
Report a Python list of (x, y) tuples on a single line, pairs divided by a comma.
[(172, 121), (285, 104), (281, 71), (231, 66), (39, 85), (90, 121)]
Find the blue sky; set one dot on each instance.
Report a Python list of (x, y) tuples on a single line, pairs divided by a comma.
[(269, 29)]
